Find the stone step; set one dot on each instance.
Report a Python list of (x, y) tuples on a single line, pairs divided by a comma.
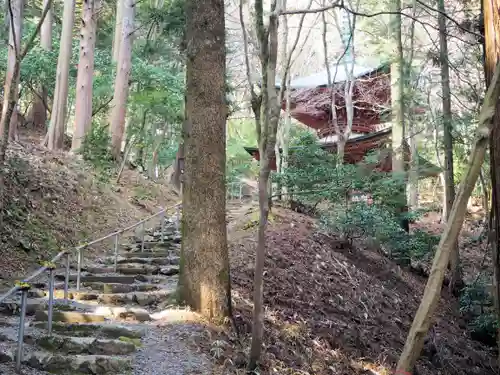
[(121, 288), (77, 364), (138, 269), (140, 298), (115, 279), (123, 313), (153, 247), (158, 279), (155, 244), (147, 254), (33, 305), (157, 261), (82, 345), (70, 317), (110, 331), (14, 307), (126, 269)]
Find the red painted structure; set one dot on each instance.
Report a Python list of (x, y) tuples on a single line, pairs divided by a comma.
[(310, 104), (353, 153), (371, 97)]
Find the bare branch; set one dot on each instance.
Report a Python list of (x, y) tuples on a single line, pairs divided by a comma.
[(340, 4)]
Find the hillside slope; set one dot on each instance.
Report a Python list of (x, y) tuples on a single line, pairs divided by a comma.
[(335, 309), (53, 201)]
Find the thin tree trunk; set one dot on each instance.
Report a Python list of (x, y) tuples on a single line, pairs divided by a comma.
[(9, 103), (287, 125), (398, 107), (449, 185), (271, 108), (119, 110), (84, 80), (57, 127), (39, 109), (15, 37), (413, 173), (46, 31), (491, 58), (423, 317), (124, 161), (204, 278), (117, 36)]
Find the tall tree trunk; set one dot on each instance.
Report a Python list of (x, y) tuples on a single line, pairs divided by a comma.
[(57, 127), (15, 37), (119, 111), (397, 92), (492, 57), (287, 125), (84, 80), (266, 131), (117, 36), (204, 279), (39, 109), (398, 105), (449, 187), (46, 31), (423, 317)]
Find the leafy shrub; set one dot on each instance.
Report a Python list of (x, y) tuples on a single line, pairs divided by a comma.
[(476, 304), (96, 150), (314, 177), (361, 220)]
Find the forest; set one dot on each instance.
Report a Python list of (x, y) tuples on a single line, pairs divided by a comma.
[(333, 165)]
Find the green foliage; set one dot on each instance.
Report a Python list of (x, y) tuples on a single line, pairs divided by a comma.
[(96, 150), (476, 303), (315, 178)]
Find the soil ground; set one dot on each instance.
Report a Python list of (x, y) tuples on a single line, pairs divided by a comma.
[(335, 309), (331, 308), (54, 201)]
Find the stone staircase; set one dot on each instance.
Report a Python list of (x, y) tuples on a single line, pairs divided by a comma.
[(103, 324)]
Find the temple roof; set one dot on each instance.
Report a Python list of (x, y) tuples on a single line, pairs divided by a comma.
[(339, 74)]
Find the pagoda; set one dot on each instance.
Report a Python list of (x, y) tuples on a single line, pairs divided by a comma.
[(311, 103)]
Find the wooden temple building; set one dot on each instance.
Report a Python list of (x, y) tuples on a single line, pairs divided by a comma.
[(310, 104)]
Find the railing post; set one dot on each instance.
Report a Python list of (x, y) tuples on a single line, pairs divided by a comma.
[(66, 278), (116, 250), (177, 218), (79, 271), (142, 235), (162, 227), (20, 336), (51, 299)]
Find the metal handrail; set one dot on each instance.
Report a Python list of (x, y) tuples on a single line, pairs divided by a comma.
[(24, 286)]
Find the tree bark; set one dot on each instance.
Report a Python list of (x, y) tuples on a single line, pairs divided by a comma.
[(15, 36), (84, 80), (423, 317), (271, 107), (204, 279), (46, 30), (39, 109), (119, 110), (9, 103), (398, 107), (449, 185), (117, 36), (491, 58), (57, 127)]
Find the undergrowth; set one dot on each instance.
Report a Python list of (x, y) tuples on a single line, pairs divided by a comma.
[(96, 151)]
